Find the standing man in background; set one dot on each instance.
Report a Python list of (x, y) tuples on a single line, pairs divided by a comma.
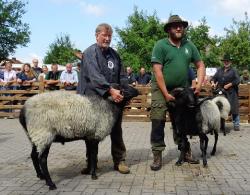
[(228, 79), (101, 66), (36, 69), (171, 58)]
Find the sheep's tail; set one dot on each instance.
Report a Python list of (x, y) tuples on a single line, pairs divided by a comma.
[(22, 119), (223, 105)]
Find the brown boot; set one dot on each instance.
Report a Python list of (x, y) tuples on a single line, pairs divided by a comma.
[(122, 168), (189, 157), (157, 163)]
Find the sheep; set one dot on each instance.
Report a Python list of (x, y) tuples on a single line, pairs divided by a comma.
[(62, 116), (220, 92), (191, 117)]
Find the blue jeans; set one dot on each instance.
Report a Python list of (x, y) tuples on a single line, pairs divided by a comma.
[(236, 120)]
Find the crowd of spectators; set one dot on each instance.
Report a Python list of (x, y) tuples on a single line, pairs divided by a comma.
[(33, 73), (142, 78), (70, 76)]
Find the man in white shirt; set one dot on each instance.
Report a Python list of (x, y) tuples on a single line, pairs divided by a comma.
[(9, 76), (69, 78)]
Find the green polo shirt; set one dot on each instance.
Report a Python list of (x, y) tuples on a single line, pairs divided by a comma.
[(175, 61)]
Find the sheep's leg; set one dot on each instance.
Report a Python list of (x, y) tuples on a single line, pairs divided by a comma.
[(182, 148), (86, 171), (222, 126), (215, 143), (92, 160), (44, 166), (35, 160), (203, 147)]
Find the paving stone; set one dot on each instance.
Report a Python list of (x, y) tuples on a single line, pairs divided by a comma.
[(228, 171)]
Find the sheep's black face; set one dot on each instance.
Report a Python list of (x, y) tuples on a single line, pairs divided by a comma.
[(127, 91), (184, 97)]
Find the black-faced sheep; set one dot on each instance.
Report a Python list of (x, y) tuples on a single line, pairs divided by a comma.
[(191, 117), (61, 117)]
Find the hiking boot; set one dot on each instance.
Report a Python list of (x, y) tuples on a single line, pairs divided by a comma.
[(157, 163), (236, 128), (189, 158), (122, 168)]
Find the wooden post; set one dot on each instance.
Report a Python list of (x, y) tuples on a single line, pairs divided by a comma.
[(41, 84)]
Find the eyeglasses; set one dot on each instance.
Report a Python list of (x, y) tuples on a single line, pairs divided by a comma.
[(177, 25)]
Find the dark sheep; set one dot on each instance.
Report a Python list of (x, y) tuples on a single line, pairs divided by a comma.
[(190, 117)]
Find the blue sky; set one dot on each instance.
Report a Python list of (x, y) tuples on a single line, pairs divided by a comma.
[(79, 18)]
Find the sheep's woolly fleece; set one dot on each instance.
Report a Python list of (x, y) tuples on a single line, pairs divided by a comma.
[(66, 114), (211, 114)]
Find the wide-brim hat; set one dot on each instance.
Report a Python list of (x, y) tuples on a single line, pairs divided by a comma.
[(174, 19), (227, 57)]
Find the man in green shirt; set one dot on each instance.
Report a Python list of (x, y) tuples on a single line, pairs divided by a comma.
[(171, 58)]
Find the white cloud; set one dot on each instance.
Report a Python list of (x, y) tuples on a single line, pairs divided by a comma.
[(87, 8), (231, 7), (194, 23), (28, 58), (92, 9)]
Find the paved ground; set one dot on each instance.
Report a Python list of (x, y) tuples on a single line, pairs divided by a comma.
[(228, 172)]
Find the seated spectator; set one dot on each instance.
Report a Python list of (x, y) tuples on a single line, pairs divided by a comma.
[(44, 73), (8, 76), (143, 78), (244, 78), (26, 77), (53, 78), (69, 78), (131, 76), (36, 69)]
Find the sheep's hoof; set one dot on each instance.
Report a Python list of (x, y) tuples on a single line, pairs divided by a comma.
[(205, 164), (179, 163), (85, 171), (94, 177), (213, 153), (52, 187), (41, 176)]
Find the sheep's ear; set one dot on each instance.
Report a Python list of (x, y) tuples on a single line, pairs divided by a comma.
[(176, 91), (171, 104)]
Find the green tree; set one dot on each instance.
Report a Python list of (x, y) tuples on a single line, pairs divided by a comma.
[(13, 32), (137, 39), (61, 51), (237, 42), (206, 44)]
